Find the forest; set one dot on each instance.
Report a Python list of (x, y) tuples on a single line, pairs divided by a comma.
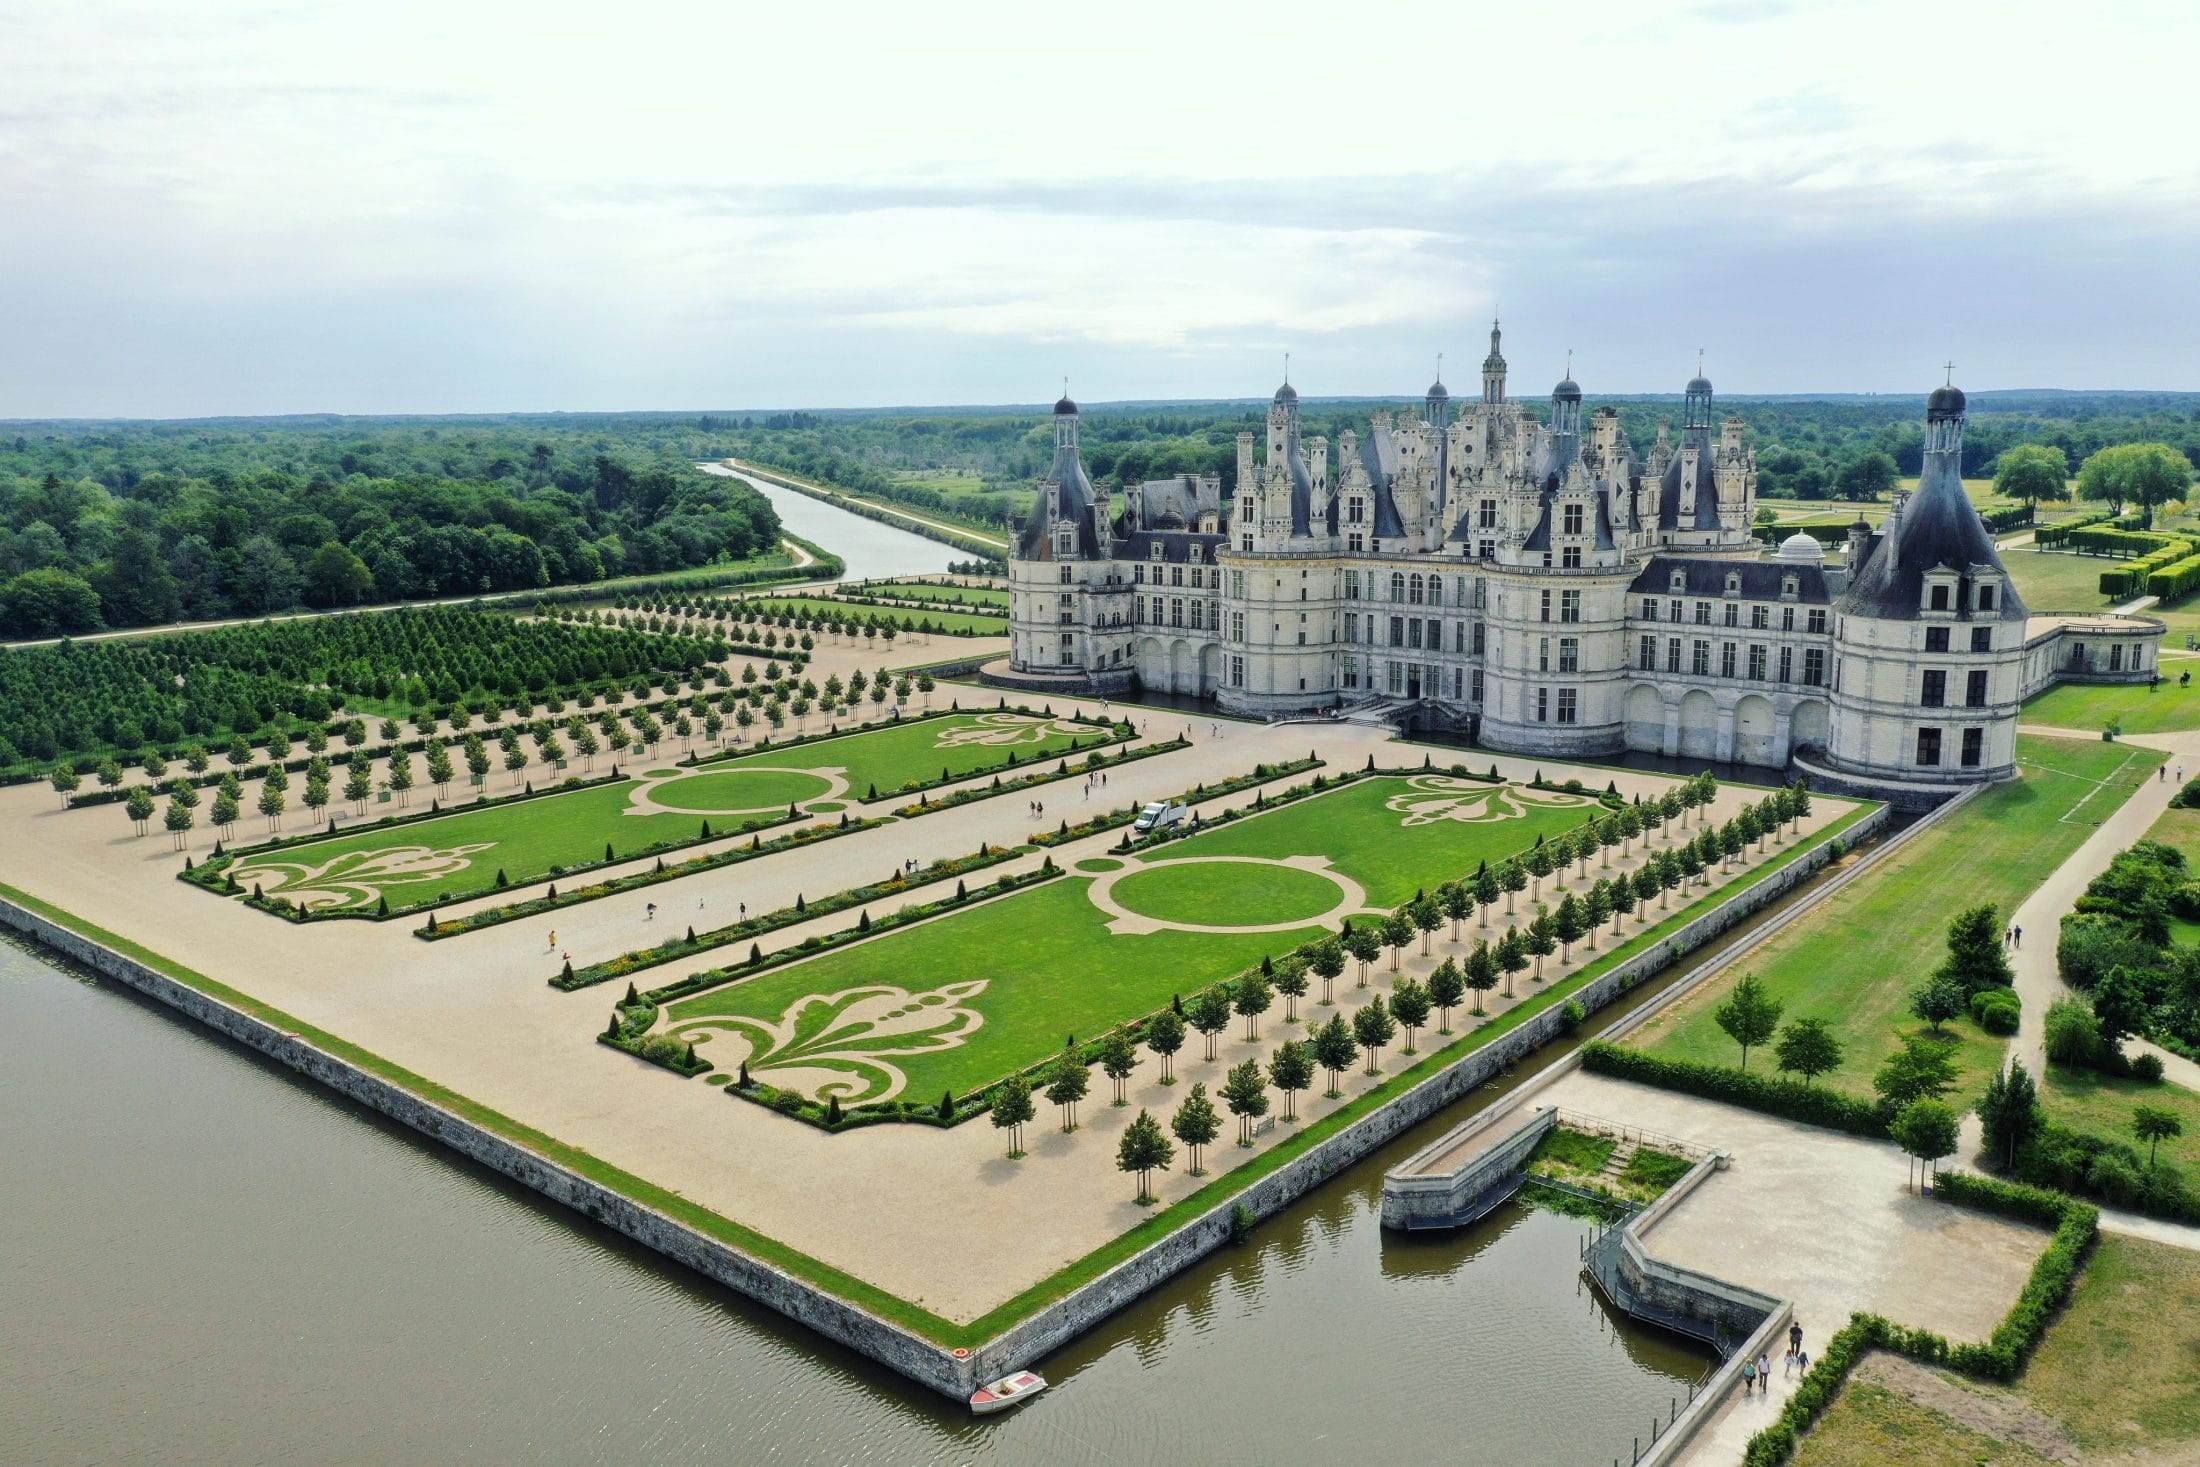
[(116, 525), (1807, 447)]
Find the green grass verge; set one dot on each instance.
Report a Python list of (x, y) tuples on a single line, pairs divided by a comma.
[(1855, 962), (2137, 708), (1871, 1426), (995, 597), (2117, 1367), (928, 750), (2102, 1104), (907, 619)]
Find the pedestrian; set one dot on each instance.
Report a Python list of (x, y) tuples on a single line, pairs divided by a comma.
[(2008, 936), (2161, 773), (1787, 1365), (652, 913), (1802, 1361), (2020, 936), (744, 911), (698, 904), (1795, 1337), (1749, 1376), (1764, 1373), (553, 937)]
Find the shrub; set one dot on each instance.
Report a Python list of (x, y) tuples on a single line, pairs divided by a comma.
[(2094, 944), (1790, 1098), (2073, 1034), (2146, 1068), (1997, 1010)]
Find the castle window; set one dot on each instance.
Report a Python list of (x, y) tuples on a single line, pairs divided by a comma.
[(1936, 639), (1413, 632), (1678, 583), (1459, 636), (1672, 654), (1176, 611), (1986, 598), (1397, 586), (1176, 575), (1478, 643), (1567, 712), (1542, 705), (1545, 605), (1476, 686), (1487, 550), (1245, 542), (1413, 590), (1928, 746), (1733, 614), (1789, 586), (1974, 688), (1486, 517), (1198, 575), (1572, 522), (1481, 593), (1700, 663), (1757, 659), (1435, 635), (2116, 657), (1814, 667), (1569, 654), (1569, 605), (1649, 608), (1726, 659), (1787, 664), (1733, 583), (1353, 543), (1153, 551), (1065, 575), (1569, 557), (1351, 624), (1397, 631), (1703, 613), (1938, 598), (1934, 692), (1676, 610), (1760, 618), (1816, 622), (1351, 585), (1197, 613), (1787, 618), (1648, 660), (1542, 654), (1237, 672), (1237, 584), (1974, 747), (1982, 639), (1435, 590)]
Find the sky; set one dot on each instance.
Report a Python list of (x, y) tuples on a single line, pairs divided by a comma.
[(227, 208)]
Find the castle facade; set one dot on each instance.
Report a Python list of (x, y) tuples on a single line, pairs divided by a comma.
[(1549, 589)]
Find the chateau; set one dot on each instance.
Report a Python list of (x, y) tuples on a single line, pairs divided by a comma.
[(1547, 588)]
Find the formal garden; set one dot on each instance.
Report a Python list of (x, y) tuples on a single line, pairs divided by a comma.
[(435, 857), (1311, 900)]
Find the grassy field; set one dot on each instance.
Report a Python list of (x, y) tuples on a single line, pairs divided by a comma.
[(2138, 708), (954, 1004), (1854, 961), (458, 855), (995, 597), (2101, 1104), (2113, 1378), (2058, 580), (946, 621)]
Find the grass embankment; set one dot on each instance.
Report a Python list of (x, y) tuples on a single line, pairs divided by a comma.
[(982, 597), (1855, 961), (2114, 1377), (2138, 708), (906, 618)]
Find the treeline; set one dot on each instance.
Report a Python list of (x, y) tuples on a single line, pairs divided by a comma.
[(125, 525)]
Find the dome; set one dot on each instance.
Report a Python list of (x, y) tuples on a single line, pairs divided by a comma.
[(1567, 391), (1065, 409), (1946, 402), (1437, 389), (1699, 384), (1801, 546), (1287, 393)]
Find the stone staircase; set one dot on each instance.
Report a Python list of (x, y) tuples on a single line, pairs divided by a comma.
[(1616, 1163)]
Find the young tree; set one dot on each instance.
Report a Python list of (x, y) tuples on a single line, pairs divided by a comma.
[(1144, 1150), (1209, 1013), (1196, 1124), (1514, 878), (1646, 886), (2010, 1114), (1622, 899), (1328, 963), (439, 763), (1068, 1080), (1118, 1059), (1487, 889), (1245, 1092), (1595, 908), (1807, 1048), (1542, 938), (272, 800), (401, 774), (1291, 982), (359, 782), (1409, 1005), (179, 819), (1481, 973), (317, 794), (1012, 1110), (224, 812), (65, 781), (1512, 956), (1937, 1001), (1165, 1036), (1373, 1027), (1397, 935), (1926, 1129), (1540, 865), (1446, 987), (1290, 1070), (1919, 1070), (1427, 915), (1749, 1015), (2154, 1125), (1253, 998), (1364, 945), (1569, 924), (477, 755), (138, 805), (1334, 1050), (1976, 960), (1457, 902)]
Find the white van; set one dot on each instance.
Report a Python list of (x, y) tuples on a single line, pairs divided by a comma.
[(1158, 816)]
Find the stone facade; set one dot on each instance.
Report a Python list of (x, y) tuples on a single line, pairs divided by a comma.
[(1547, 589)]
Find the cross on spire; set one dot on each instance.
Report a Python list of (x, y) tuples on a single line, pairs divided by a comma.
[(1439, 366), (1287, 369), (1951, 380), (1569, 361), (1699, 361)]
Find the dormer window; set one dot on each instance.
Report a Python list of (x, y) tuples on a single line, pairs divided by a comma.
[(1986, 597), (1679, 582), (1789, 588), (1942, 595), (1938, 598), (1733, 583), (1153, 552)]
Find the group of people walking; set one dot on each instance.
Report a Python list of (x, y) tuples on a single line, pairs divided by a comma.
[(1757, 1373)]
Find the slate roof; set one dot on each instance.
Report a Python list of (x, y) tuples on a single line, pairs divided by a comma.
[(1706, 578), (1037, 540), (1176, 504), (1706, 516), (1937, 526)]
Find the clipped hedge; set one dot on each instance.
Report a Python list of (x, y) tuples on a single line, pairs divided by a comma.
[(2122, 543), (2178, 578), (2130, 578), (2001, 1359), (2008, 517), (2051, 536), (1093, 761), (1792, 1099), (1262, 774)]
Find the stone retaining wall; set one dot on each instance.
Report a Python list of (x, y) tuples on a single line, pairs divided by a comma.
[(1413, 1195)]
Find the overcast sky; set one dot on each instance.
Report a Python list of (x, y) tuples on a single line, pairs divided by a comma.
[(228, 208)]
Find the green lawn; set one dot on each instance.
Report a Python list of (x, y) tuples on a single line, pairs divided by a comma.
[(1869, 1425), (2085, 1101), (458, 855), (2137, 707), (955, 1004), (946, 621), (2058, 580), (1854, 961), (995, 597)]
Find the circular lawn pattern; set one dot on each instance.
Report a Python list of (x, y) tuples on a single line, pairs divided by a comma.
[(1226, 893), (736, 791), (1093, 865)]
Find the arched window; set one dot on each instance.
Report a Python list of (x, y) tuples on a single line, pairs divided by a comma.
[(1397, 585), (1414, 592)]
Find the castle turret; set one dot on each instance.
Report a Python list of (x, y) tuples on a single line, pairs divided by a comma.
[(1493, 371)]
